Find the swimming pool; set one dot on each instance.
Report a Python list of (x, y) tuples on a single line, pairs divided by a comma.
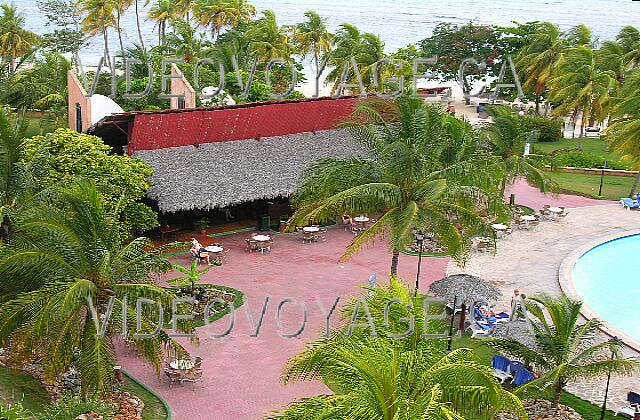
[(607, 279)]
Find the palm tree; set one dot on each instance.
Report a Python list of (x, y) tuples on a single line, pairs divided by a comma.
[(99, 17), (211, 13), (623, 133), (140, 37), (541, 59), (15, 179), (161, 12), (507, 139), (68, 255), (629, 40), (184, 8), (121, 7), (238, 12), (267, 40), (426, 171), (611, 56), (185, 42), (401, 379), (582, 88), (563, 348), (365, 48), (15, 40), (313, 38)]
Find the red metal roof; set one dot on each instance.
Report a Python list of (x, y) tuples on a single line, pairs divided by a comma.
[(172, 128)]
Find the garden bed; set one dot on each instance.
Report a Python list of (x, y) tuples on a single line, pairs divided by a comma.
[(207, 292)]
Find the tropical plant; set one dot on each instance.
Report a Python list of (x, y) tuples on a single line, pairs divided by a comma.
[(162, 12), (366, 49), (623, 133), (14, 412), (138, 26), (212, 14), (67, 260), (629, 40), (422, 169), (563, 350), (121, 7), (65, 155), (16, 42), (99, 16), (540, 60), (238, 12), (267, 40), (72, 406), (191, 275), (15, 179), (394, 378), (508, 136), (582, 88), (312, 38)]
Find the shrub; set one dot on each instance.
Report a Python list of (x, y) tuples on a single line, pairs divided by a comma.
[(13, 412), (70, 407), (578, 159), (548, 129)]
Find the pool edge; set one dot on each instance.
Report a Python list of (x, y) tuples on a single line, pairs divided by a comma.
[(565, 279)]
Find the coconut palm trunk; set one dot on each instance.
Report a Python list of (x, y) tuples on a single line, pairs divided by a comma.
[(107, 55), (394, 263), (634, 187), (119, 29), (139, 28)]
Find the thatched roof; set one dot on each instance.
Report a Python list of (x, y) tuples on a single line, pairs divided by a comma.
[(467, 288), (221, 174)]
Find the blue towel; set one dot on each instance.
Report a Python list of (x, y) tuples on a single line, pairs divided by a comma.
[(522, 376), (500, 362)]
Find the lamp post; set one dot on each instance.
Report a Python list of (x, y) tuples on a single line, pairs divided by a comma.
[(420, 241), (602, 178), (614, 340)]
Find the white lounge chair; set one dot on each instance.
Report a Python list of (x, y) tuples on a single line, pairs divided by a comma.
[(480, 329), (633, 399)]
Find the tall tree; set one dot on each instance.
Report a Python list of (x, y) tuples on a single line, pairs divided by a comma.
[(185, 42), (312, 37), (66, 253), (629, 40), (121, 6), (138, 26), (16, 42), (99, 16), (623, 133), (426, 171), (267, 40), (539, 61), (507, 137), (238, 12), (394, 379), (15, 179), (350, 43), (162, 12), (582, 88), (564, 351), (212, 14)]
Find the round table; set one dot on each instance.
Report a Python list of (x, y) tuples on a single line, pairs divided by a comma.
[(555, 209), (361, 219), (528, 218), (261, 238), (311, 229), (499, 226), (214, 249), (182, 364)]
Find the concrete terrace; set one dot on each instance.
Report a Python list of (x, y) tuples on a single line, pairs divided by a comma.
[(242, 373)]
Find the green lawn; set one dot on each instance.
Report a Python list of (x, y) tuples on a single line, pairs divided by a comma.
[(38, 126), (614, 187), (590, 144), (18, 386)]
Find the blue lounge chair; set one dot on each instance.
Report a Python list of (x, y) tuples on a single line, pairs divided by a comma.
[(480, 328), (633, 398), (629, 203), (501, 368), (521, 375), (501, 317)]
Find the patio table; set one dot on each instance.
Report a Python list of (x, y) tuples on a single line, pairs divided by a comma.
[(555, 209), (182, 364), (214, 249), (361, 219), (261, 238), (311, 229), (528, 218)]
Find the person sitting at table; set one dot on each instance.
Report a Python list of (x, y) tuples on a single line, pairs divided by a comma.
[(347, 221), (198, 251)]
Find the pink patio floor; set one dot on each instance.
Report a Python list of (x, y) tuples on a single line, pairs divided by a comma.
[(242, 373), (241, 377)]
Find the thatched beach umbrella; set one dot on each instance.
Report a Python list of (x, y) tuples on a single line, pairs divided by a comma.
[(467, 288)]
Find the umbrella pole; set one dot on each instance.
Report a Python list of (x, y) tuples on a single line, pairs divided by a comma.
[(463, 313), (453, 315)]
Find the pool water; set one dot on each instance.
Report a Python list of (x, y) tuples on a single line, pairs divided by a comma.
[(607, 278)]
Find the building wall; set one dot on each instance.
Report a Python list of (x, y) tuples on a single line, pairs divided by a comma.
[(77, 96), (181, 86), (153, 131)]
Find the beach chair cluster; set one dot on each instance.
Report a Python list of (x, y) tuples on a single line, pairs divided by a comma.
[(505, 369), (630, 203), (482, 325)]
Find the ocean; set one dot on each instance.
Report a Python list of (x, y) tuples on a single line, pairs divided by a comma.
[(400, 22)]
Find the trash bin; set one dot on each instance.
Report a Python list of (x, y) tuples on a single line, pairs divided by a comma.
[(265, 222)]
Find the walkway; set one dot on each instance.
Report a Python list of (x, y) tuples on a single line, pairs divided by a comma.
[(531, 197), (241, 373), (529, 261)]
